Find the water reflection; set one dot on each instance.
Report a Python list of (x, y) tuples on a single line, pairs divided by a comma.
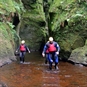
[(34, 73)]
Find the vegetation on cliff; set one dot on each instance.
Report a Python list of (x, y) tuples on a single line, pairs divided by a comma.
[(8, 35), (68, 24)]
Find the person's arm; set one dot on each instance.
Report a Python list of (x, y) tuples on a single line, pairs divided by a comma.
[(44, 50), (27, 49), (18, 49), (57, 48)]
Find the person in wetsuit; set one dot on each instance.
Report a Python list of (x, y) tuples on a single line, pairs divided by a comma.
[(53, 49), (22, 49)]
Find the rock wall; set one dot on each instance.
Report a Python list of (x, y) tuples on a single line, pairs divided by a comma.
[(6, 45), (8, 34), (33, 24)]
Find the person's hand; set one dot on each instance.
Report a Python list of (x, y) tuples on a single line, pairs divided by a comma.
[(29, 51), (43, 54), (57, 53)]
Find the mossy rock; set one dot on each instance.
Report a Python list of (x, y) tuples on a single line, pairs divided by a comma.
[(79, 55), (6, 45), (71, 42)]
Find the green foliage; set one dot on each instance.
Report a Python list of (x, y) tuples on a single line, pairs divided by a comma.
[(11, 25), (19, 7), (59, 4), (8, 6), (3, 30), (74, 12), (8, 32)]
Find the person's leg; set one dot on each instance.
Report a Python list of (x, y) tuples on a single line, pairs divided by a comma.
[(23, 56), (50, 61), (20, 57), (50, 66), (46, 59), (56, 61)]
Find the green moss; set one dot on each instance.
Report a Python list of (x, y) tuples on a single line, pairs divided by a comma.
[(59, 4), (5, 39), (33, 16), (8, 6)]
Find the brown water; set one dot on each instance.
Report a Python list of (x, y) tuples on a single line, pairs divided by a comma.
[(34, 73)]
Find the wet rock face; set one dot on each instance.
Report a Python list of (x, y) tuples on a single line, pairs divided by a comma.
[(32, 36)]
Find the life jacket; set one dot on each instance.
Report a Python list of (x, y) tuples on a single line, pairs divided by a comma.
[(22, 47), (47, 51), (52, 47)]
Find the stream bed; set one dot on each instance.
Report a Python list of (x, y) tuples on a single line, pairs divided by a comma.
[(35, 73)]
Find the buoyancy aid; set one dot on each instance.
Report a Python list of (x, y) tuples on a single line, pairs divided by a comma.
[(22, 47), (47, 51), (52, 47)]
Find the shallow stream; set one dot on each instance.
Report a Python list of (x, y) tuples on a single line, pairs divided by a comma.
[(34, 73)]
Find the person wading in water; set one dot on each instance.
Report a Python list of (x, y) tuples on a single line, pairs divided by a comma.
[(53, 49), (22, 49)]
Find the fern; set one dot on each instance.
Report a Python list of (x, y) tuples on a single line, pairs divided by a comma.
[(11, 25)]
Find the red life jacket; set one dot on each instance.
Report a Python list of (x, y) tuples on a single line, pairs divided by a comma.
[(52, 47), (22, 47), (47, 51)]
